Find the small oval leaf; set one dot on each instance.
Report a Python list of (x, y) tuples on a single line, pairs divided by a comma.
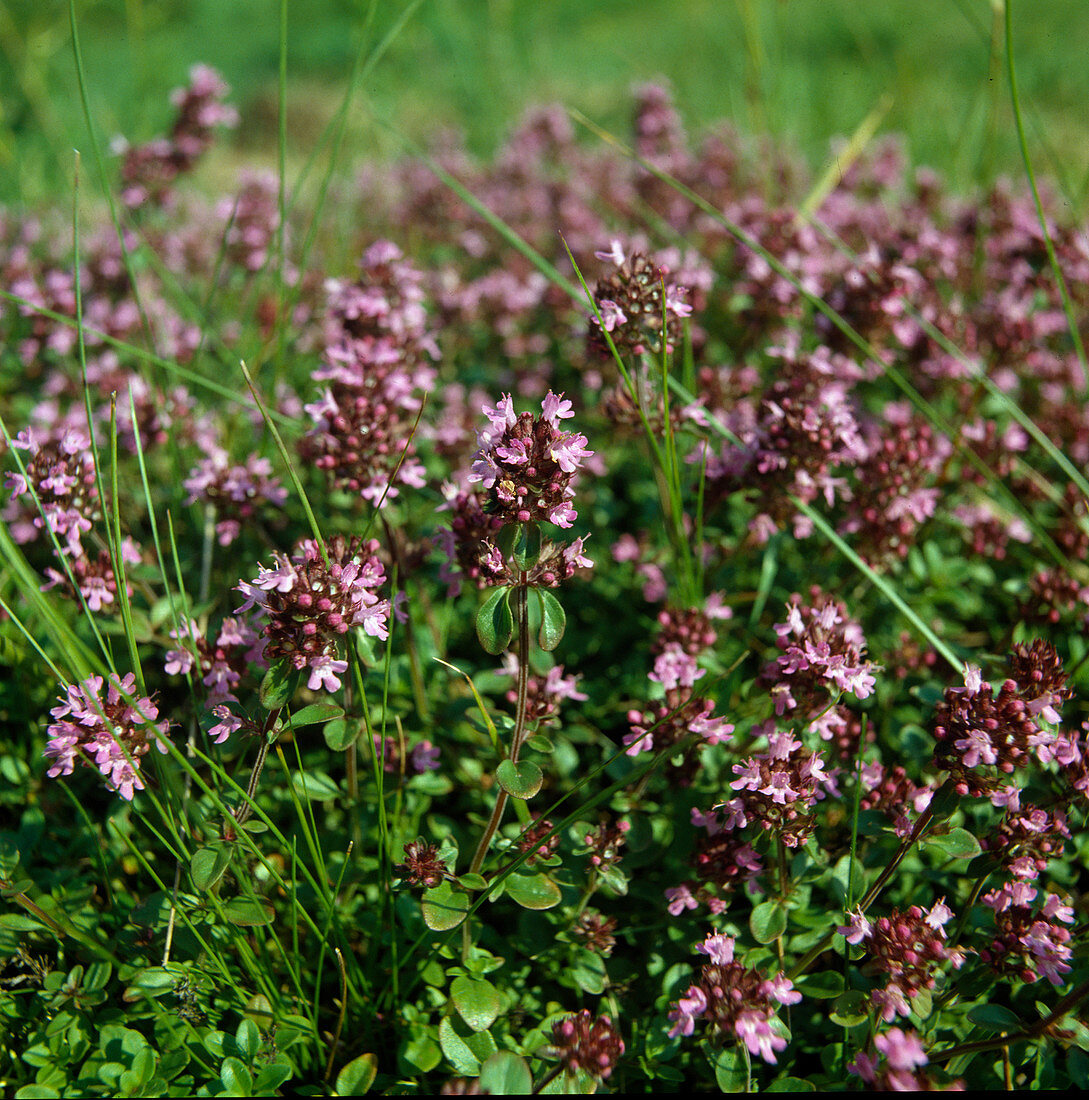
[(341, 733), (506, 1074), (357, 1076), (444, 907), (316, 712), (533, 891), (768, 921), (494, 621), (477, 1002), (247, 913), (526, 547), (278, 686), (208, 865), (522, 780), (553, 620)]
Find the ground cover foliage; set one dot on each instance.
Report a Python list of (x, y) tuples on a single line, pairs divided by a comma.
[(624, 630)]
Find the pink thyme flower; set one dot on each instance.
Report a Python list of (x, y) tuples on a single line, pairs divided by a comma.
[(309, 605), (732, 999), (591, 1045), (110, 734), (527, 465)]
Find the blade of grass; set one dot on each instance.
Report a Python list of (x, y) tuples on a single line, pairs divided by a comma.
[(1068, 306)]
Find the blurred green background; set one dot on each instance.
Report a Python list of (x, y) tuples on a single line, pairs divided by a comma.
[(801, 70)]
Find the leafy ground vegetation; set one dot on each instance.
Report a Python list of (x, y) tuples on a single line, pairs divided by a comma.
[(624, 630)]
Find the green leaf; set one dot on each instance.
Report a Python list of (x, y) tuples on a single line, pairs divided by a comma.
[(279, 685), (768, 921), (506, 1074), (472, 882), (16, 922), (820, 986), (553, 620), (956, 844), (494, 621), (208, 865), (270, 1078), (237, 1079), (134, 1080), (731, 1071), (259, 1010), (616, 878), (477, 1002), (357, 1076), (533, 891), (526, 546), (36, 1092), (791, 1084), (994, 1017), (341, 733), (317, 786), (444, 907), (314, 713), (247, 913), (422, 1053), (248, 1039), (465, 1052), (152, 982), (589, 973), (850, 1008), (522, 780)]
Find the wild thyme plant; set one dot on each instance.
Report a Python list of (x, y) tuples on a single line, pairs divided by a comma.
[(804, 806)]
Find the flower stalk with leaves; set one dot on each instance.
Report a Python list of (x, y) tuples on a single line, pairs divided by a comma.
[(527, 466)]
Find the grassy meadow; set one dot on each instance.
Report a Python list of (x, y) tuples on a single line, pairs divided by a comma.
[(543, 547)]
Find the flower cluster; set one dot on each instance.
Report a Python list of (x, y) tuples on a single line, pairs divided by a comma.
[(422, 865), (470, 543), (312, 599), (1029, 941), (723, 861), (823, 652), (909, 947), (894, 794), (93, 578), (895, 1068), (527, 464), (397, 759), (798, 442), (891, 495), (635, 303), (734, 1001), (377, 364), (984, 738), (535, 842), (60, 472), (680, 714), (109, 733), (220, 664), (582, 1042), (239, 490), (544, 694), (777, 790), (149, 171)]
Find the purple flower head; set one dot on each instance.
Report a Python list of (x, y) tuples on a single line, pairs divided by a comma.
[(109, 733), (734, 1001), (588, 1044), (527, 465), (635, 301), (309, 604)]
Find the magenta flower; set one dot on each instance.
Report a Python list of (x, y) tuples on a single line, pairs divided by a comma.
[(309, 605), (527, 465), (734, 1000), (110, 734)]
